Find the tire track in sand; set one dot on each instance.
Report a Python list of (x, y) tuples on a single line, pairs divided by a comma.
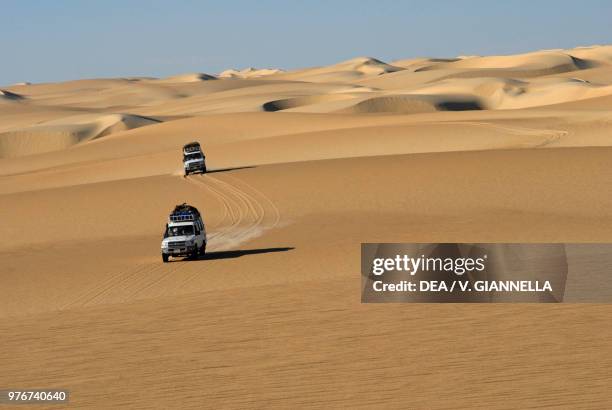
[(246, 213), (251, 211)]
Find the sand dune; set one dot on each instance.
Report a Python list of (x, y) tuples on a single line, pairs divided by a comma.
[(596, 54), (457, 94), (541, 61), (499, 93), (413, 64), (411, 104), (189, 78), (290, 103), (63, 133), (9, 96), (249, 72), (305, 165), (366, 65), (346, 71)]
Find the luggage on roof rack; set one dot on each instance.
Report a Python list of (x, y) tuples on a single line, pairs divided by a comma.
[(191, 147), (184, 213)]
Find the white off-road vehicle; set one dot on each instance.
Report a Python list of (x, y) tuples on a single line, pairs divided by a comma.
[(193, 158), (185, 233)]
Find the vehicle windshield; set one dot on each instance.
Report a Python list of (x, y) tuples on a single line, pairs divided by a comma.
[(190, 157), (184, 230)]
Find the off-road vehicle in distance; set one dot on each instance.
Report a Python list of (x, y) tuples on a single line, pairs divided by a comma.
[(193, 158), (185, 233)]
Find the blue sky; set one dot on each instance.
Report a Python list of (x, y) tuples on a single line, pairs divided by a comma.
[(60, 40)]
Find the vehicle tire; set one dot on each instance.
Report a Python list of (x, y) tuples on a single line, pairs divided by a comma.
[(165, 257), (186, 173), (203, 249), (204, 169), (195, 253)]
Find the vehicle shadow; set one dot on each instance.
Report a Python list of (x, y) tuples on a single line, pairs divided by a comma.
[(215, 255), (212, 171)]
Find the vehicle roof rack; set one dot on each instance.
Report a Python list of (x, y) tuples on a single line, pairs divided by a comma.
[(191, 147), (184, 213)]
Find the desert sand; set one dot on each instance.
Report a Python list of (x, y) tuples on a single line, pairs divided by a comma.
[(305, 165)]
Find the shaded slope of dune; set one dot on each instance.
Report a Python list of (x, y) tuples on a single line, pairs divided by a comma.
[(188, 78), (297, 102), (66, 132), (9, 96), (413, 104)]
